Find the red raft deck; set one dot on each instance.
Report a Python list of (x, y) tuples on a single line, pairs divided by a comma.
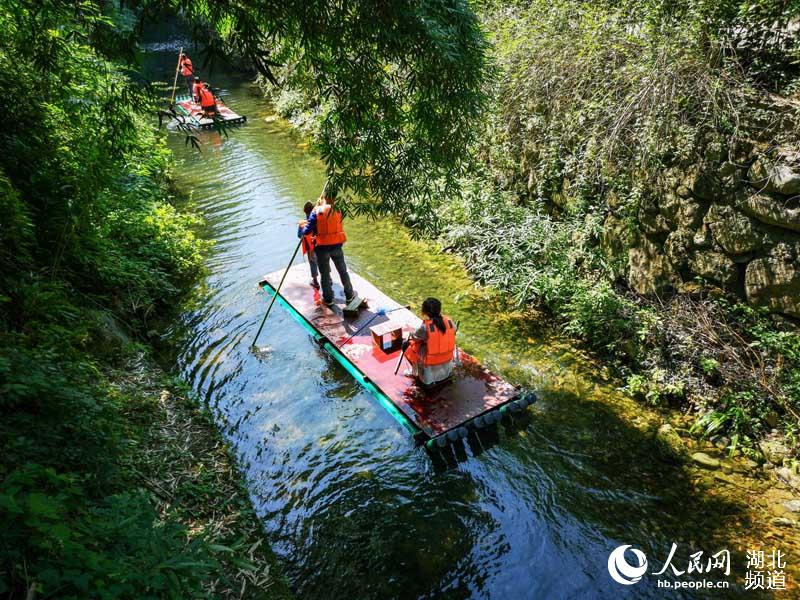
[(472, 398), (191, 113)]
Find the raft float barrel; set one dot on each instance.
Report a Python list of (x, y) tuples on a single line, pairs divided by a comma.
[(483, 420)]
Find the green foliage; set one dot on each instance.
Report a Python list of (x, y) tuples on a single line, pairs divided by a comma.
[(756, 34), (395, 87), (536, 258), (72, 521), (87, 231), (111, 550), (297, 108), (593, 101), (597, 98), (594, 107), (732, 416), (47, 397), (655, 389), (783, 344), (83, 179), (598, 314), (16, 234), (710, 366), (731, 361)]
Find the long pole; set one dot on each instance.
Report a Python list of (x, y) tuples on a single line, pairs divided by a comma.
[(400, 360), (277, 291), (275, 297), (175, 83), (458, 354)]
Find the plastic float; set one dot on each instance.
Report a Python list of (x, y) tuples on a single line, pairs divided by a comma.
[(368, 347), (190, 112)]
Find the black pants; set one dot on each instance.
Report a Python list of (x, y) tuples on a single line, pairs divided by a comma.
[(326, 254), (190, 86)]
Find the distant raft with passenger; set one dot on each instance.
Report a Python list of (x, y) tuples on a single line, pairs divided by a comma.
[(192, 113), (200, 106)]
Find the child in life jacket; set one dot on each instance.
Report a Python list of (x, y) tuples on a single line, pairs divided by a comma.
[(431, 348), (308, 242)]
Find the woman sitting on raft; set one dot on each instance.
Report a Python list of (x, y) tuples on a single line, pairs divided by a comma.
[(431, 348)]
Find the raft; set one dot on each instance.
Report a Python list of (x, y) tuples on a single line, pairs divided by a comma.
[(190, 111), (473, 398)]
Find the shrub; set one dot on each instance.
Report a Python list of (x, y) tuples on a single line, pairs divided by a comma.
[(111, 550), (596, 98), (599, 315), (591, 103), (88, 231), (535, 258)]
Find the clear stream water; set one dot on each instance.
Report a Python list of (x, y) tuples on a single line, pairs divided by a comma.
[(348, 503)]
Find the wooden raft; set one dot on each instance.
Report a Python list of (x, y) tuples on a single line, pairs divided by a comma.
[(472, 392), (192, 113)]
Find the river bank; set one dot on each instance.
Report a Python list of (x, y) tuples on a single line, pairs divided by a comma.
[(156, 508), (188, 469)]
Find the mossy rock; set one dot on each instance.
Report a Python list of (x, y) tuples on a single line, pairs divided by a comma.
[(704, 460), (669, 445)]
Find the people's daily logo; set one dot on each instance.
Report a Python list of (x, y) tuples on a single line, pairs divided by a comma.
[(621, 570), (765, 570)]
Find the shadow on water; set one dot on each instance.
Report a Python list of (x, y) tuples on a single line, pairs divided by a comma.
[(531, 509)]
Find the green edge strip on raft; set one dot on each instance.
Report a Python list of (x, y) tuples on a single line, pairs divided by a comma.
[(385, 401)]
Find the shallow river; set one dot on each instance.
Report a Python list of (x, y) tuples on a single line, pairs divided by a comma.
[(351, 507)]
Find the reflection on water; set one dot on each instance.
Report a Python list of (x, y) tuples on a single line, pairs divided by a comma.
[(347, 501)]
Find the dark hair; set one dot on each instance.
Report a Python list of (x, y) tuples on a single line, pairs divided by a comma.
[(308, 208), (197, 78), (433, 308)]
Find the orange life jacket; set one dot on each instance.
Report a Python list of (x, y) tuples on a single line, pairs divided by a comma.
[(329, 226), (186, 67), (206, 97), (196, 90), (440, 346), (308, 243)]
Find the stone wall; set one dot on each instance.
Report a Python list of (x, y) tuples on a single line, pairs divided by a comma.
[(736, 226)]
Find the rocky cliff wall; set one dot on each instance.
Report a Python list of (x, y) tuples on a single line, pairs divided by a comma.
[(736, 225)]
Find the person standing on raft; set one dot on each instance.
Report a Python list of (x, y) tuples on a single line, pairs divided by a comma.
[(325, 221), (308, 244), (187, 70), (431, 348)]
